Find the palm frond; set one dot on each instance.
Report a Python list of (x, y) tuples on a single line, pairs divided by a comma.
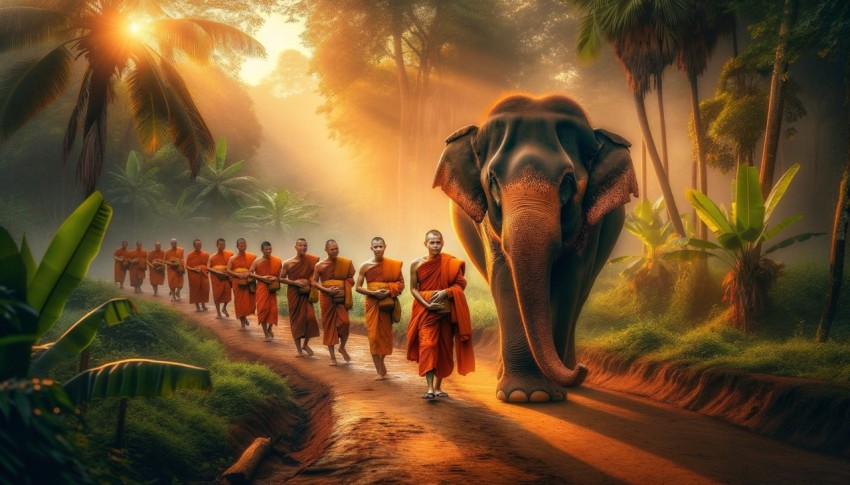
[(27, 87), (76, 116), (179, 35), (229, 37), (26, 26), (148, 101), (190, 133), (90, 163)]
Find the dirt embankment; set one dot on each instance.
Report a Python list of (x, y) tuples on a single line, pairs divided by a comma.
[(804, 412)]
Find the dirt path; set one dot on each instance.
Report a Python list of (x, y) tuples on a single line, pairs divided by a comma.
[(363, 431)]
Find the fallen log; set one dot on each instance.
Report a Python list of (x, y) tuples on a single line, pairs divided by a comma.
[(246, 465)]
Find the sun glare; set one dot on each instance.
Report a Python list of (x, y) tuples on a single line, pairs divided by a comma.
[(135, 28)]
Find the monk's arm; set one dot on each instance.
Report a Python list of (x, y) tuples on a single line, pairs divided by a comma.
[(361, 278), (314, 280), (414, 287), (284, 273)]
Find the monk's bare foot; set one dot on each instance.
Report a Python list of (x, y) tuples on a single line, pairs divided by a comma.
[(224, 310), (383, 369), (219, 316), (300, 354), (344, 354), (308, 350), (333, 363), (379, 378)]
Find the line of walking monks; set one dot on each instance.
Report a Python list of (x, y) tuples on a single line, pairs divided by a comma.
[(439, 326)]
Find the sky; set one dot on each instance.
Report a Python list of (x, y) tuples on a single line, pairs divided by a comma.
[(277, 35)]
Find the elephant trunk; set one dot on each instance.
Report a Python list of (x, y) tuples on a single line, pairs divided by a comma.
[(530, 248)]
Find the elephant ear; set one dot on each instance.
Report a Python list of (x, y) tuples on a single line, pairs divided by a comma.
[(459, 173), (612, 180)]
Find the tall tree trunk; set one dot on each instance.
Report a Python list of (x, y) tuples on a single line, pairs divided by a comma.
[(839, 233), (702, 171), (661, 174), (665, 159), (643, 182), (404, 116), (777, 89)]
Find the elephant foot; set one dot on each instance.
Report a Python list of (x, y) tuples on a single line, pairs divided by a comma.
[(528, 388)]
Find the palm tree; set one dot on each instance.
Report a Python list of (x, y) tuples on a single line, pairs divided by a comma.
[(707, 22), (114, 39), (642, 36), (135, 186), (219, 186), (278, 208)]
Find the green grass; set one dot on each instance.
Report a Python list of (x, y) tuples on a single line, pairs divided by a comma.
[(783, 343), (186, 435)]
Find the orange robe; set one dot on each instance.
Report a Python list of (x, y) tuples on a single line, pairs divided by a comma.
[(175, 277), (335, 320), (302, 315), (137, 269), (430, 334), (120, 271), (243, 299), (379, 324), (220, 287), (199, 283), (156, 277), (267, 300)]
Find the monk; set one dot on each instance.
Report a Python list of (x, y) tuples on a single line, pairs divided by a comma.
[(199, 280), (138, 266), (156, 263), (219, 281), (296, 274), (243, 297), (175, 270), (384, 282), (333, 277), (266, 270), (122, 264), (440, 317)]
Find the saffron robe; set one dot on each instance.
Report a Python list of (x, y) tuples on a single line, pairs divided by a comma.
[(220, 287), (156, 277), (430, 334), (335, 321), (175, 279), (302, 315), (120, 270), (199, 283), (137, 269), (379, 325), (267, 300), (243, 300)]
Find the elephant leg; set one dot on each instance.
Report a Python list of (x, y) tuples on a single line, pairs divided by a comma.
[(520, 379), (470, 236)]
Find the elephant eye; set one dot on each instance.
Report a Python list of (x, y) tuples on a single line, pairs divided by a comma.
[(568, 188), (494, 190)]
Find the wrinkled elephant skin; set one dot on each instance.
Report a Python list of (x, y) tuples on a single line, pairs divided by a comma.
[(538, 201)]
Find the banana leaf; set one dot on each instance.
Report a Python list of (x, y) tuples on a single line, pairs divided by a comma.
[(791, 240), (748, 205), (13, 271), (82, 334), (773, 231), (620, 259), (67, 259), (711, 215), (687, 255), (136, 378), (778, 191), (29, 261), (702, 243)]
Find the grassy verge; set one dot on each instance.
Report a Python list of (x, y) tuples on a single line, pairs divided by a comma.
[(783, 343), (185, 436)]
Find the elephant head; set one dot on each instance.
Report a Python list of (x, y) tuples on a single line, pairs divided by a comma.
[(539, 181)]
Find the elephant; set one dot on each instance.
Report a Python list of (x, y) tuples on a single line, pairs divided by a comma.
[(537, 200)]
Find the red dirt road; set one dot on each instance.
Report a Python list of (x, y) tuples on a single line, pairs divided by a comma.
[(363, 431)]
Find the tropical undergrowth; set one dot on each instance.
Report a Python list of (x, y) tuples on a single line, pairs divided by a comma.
[(613, 320), (186, 436)]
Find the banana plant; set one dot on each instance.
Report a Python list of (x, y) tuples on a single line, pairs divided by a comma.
[(741, 234), (660, 244), (32, 299)]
